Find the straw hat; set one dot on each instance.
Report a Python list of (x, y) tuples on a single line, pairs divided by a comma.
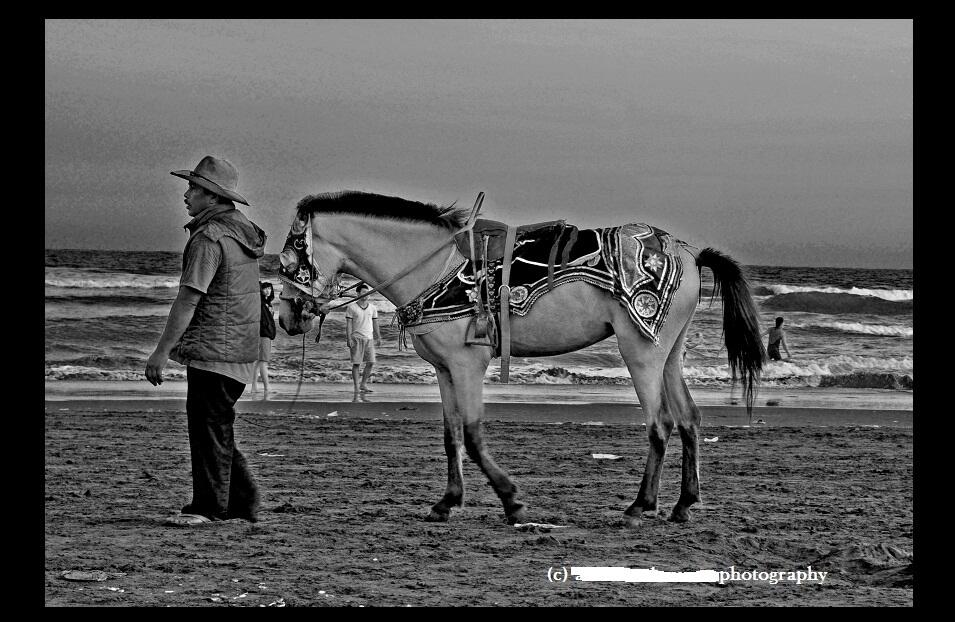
[(215, 175)]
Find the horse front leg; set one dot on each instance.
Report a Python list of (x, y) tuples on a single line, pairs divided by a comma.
[(469, 393), (453, 447)]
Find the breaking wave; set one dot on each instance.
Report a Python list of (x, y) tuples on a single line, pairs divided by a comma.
[(834, 304), (886, 294)]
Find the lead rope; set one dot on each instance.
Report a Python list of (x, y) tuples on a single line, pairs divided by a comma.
[(301, 376)]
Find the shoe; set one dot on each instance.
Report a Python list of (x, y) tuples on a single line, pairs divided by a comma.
[(252, 518), (365, 390), (186, 520)]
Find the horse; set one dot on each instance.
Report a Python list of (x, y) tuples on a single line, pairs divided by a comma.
[(381, 240)]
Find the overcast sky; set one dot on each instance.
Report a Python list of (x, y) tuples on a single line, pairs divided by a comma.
[(780, 142)]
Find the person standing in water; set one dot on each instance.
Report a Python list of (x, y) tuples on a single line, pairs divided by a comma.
[(266, 335), (777, 337)]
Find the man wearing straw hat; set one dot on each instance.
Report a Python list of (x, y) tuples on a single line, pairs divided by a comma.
[(213, 329)]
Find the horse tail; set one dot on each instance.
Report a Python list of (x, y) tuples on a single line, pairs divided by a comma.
[(744, 346)]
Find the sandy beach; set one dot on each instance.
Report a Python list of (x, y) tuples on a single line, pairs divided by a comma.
[(824, 479)]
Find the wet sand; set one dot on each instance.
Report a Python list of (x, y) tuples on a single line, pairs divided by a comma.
[(344, 498)]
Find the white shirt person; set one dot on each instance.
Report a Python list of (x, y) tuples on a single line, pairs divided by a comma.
[(362, 334)]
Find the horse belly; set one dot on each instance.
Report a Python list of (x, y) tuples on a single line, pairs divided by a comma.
[(571, 317)]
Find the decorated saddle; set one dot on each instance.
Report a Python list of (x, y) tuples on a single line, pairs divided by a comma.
[(637, 263)]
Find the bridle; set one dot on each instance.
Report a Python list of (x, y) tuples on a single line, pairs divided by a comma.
[(298, 270), (305, 274)]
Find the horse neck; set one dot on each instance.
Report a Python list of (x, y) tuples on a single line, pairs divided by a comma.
[(376, 250)]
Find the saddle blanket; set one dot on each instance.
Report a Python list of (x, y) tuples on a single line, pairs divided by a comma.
[(637, 263)]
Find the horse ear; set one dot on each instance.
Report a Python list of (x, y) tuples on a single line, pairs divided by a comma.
[(299, 224)]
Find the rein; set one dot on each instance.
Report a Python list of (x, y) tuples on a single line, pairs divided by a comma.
[(324, 309), (469, 225)]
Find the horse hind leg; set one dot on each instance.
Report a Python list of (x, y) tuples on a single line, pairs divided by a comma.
[(688, 419), (646, 371), (659, 428), (453, 448)]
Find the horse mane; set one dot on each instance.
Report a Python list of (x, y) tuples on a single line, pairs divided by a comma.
[(382, 206)]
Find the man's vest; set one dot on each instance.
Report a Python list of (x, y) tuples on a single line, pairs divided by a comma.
[(225, 326)]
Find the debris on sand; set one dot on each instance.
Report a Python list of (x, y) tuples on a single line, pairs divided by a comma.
[(537, 527), (711, 440), (288, 508), (606, 457), (871, 564), (772, 402), (85, 575), (90, 575)]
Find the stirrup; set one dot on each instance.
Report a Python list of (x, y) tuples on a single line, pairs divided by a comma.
[(479, 332)]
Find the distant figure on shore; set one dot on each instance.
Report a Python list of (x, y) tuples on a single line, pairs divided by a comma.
[(361, 326), (266, 335), (776, 337), (692, 344)]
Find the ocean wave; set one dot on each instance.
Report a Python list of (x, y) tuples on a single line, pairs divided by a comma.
[(837, 371), (894, 295), (719, 377), (107, 299), (869, 380), (133, 281), (80, 372), (104, 362), (858, 328), (834, 304)]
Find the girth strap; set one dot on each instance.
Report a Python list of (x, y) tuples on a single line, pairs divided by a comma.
[(565, 256), (552, 259), (505, 296)]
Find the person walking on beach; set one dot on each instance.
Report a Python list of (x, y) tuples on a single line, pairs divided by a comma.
[(361, 325), (266, 335), (776, 337), (213, 329)]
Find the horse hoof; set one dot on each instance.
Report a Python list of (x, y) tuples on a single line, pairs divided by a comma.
[(632, 522), (518, 514), (680, 514), (437, 517)]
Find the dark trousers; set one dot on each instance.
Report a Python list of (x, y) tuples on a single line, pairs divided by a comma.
[(222, 484)]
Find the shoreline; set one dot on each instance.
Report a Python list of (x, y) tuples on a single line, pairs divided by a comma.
[(315, 392), (552, 404)]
